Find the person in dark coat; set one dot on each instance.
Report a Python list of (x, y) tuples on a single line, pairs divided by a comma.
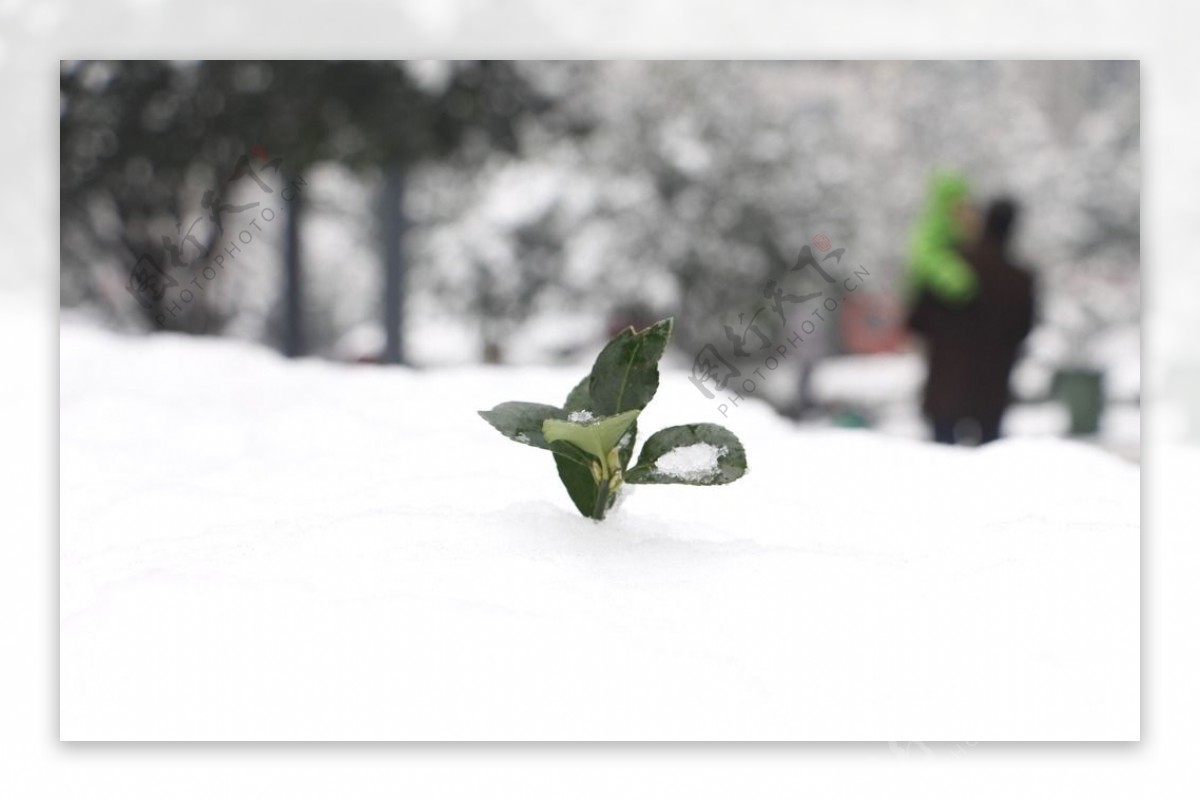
[(972, 346)]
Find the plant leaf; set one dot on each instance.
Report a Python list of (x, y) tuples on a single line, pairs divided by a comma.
[(575, 472), (579, 400), (625, 374), (697, 454), (625, 445), (596, 438), (522, 422)]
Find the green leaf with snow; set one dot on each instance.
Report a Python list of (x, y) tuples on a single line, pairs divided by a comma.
[(597, 436), (522, 422), (580, 399), (593, 435), (701, 454)]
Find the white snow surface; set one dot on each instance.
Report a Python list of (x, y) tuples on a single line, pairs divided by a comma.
[(253, 548)]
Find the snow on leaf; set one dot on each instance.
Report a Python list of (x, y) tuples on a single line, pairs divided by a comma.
[(698, 454), (690, 462)]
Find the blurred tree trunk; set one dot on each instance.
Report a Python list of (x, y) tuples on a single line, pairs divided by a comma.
[(392, 223), (293, 325)]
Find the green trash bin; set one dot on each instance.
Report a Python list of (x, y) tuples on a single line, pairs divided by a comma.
[(1082, 391)]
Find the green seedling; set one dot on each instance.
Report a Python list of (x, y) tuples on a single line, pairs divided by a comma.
[(592, 435)]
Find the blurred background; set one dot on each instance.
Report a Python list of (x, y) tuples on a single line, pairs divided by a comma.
[(440, 214)]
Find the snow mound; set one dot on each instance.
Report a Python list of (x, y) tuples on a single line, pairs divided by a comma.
[(253, 548)]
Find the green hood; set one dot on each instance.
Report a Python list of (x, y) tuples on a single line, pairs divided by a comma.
[(934, 263)]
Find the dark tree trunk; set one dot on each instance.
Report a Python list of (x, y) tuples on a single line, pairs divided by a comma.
[(392, 223), (293, 297)]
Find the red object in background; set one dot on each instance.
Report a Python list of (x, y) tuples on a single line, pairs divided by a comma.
[(873, 323), (637, 315)]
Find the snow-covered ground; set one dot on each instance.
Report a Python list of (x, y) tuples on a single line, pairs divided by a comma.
[(259, 549)]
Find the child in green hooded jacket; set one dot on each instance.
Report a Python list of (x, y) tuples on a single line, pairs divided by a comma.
[(935, 264)]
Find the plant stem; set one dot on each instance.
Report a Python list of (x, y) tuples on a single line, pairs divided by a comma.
[(601, 499)]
